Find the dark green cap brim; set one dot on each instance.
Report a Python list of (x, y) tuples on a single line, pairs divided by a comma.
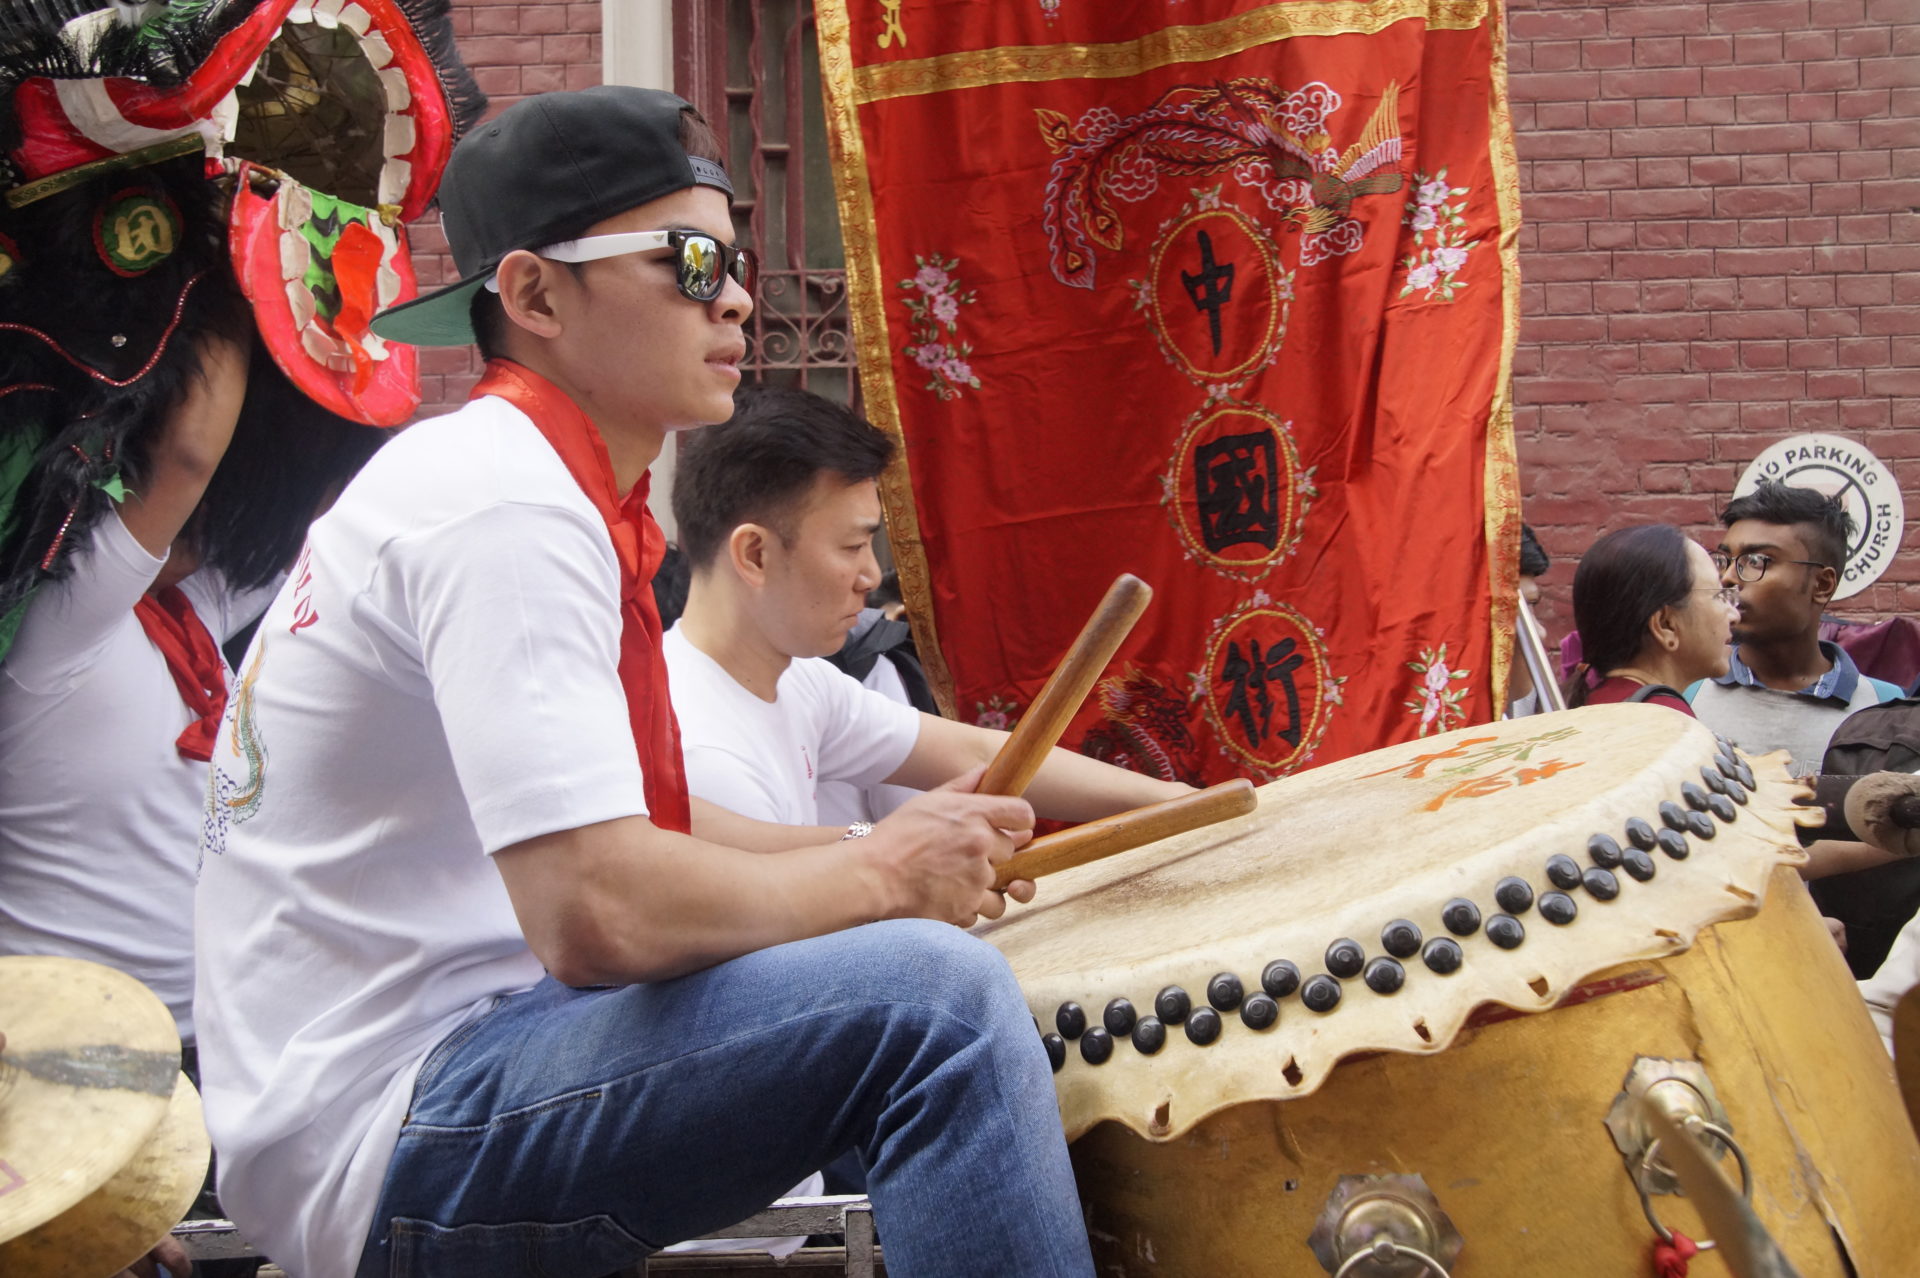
[(438, 319)]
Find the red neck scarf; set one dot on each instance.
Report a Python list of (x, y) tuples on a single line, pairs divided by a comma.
[(640, 546), (194, 661)]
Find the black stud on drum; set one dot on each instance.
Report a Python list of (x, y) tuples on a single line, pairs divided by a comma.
[(1701, 825), (1695, 796), (1096, 1045), (1385, 975), (1674, 844), (1070, 1020), (1172, 1005), (1514, 895), (1722, 808), (1558, 908), (1638, 864), (1056, 1050), (1321, 993), (1745, 775), (1443, 955), (1604, 851), (1673, 816), (1506, 931), (1259, 1012), (1400, 938), (1461, 916), (1563, 871), (1119, 1018), (1601, 884), (1345, 958), (1280, 978), (1149, 1035), (1724, 762), (1736, 792), (1715, 779), (1640, 834), (1224, 991), (1203, 1026)]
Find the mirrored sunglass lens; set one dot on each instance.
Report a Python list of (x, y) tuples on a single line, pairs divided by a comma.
[(700, 267)]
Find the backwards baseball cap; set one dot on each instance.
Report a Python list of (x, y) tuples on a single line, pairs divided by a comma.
[(549, 167)]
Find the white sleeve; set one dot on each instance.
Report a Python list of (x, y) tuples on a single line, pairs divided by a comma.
[(517, 610), (70, 621), (1898, 973), (864, 735)]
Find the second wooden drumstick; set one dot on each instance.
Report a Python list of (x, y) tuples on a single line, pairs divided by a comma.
[(1012, 769), (1124, 831)]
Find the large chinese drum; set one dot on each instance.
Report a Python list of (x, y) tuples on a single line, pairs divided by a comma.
[(1409, 1007)]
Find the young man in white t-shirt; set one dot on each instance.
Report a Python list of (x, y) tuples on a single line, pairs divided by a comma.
[(494, 1009), (777, 510)]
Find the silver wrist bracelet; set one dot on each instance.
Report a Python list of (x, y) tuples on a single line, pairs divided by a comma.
[(858, 830)]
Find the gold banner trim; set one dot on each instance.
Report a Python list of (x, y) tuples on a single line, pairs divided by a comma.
[(866, 294), (975, 69), (1502, 481)]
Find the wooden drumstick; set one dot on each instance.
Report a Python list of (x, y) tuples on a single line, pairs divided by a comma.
[(1124, 831), (1040, 727)]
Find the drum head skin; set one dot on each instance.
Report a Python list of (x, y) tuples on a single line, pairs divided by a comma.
[(1500, 864), (88, 1073), (120, 1222)]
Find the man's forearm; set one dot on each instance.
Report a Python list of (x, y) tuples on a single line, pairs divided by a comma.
[(716, 824), (1068, 786)]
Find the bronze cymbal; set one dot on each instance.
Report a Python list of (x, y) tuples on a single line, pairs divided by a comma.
[(86, 1076), (119, 1222)]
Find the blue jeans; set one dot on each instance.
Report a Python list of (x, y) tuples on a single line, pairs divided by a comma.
[(570, 1132)]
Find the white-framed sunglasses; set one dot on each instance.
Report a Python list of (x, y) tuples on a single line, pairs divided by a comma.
[(701, 262)]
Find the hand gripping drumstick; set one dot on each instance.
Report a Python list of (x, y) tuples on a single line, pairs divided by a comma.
[(1011, 771), (1124, 831)]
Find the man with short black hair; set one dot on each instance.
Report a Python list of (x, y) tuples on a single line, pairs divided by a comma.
[(1785, 687), (481, 990), (777, 511)]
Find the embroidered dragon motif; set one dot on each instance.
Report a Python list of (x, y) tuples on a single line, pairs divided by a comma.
[(1270, 140), (1145, 728)]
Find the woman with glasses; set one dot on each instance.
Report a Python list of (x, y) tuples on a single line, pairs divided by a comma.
[(1653, 618)]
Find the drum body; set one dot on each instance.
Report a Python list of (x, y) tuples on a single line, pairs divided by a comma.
[(1432, 983), (1507, 1129)]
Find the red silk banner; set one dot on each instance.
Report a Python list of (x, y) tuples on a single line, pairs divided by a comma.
[(1219, 293)]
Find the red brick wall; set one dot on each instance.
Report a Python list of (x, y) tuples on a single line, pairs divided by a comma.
[(1720, 205), (514, 50)]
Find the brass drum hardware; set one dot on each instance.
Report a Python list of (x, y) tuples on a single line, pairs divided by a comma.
[(1682, 1091), (1384, 1227)]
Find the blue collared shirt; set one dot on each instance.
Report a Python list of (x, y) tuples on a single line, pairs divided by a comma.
[(1837, 684)]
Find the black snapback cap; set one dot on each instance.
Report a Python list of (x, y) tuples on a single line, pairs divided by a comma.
[(544, 170)]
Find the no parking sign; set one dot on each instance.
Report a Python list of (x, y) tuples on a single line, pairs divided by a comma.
[(1866, 488)]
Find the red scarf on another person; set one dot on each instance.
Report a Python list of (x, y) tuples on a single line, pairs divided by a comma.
[(194, 661), (640, 546)]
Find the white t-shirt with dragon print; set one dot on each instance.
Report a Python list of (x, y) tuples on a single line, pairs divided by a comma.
[(438, 680)]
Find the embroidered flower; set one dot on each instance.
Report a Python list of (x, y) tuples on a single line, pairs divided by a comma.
[(933, 303), (1440, 692), (1439, 224)]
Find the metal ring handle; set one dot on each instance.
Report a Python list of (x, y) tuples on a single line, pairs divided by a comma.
[(1720, 1134), (1383, 1250)]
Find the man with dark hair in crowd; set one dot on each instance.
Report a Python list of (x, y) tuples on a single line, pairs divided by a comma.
[(777, 511), (1785, 688), (487, 993)]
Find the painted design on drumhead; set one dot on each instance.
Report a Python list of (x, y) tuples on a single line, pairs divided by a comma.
[(1235, 490), (1216, 298), (1267, 687)]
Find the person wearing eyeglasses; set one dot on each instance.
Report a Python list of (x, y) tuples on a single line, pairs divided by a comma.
[(480, 988), (1652, 618), (1785, 688)]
